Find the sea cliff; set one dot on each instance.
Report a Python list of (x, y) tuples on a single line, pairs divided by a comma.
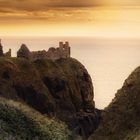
[(60, 89)]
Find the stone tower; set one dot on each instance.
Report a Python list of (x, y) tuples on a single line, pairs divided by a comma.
[(1, 49), (64, 49), (67, 49), (61, 45)]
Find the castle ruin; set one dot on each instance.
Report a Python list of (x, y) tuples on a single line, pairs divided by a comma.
[(63, 51), (7, 54)]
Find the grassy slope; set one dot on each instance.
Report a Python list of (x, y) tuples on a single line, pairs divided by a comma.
[(19, 122), (121, 119)]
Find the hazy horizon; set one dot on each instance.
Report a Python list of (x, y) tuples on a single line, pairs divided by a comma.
[(108, 61)]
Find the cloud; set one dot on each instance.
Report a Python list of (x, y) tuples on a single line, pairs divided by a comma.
[(53, 10), (41, 5), (31, 5), (73, 3)]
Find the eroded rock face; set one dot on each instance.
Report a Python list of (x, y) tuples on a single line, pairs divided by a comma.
[(121, 119), (61, 89), (86, 123)]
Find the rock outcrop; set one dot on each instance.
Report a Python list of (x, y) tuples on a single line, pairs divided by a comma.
[(61, 89), (121, 119)]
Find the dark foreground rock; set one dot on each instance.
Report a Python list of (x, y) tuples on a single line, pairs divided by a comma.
[(61, 89), (121, 119)]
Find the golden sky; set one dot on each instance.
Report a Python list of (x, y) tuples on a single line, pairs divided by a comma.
[(106, 18)]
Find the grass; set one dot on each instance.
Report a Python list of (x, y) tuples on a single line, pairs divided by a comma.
[(19, 122)]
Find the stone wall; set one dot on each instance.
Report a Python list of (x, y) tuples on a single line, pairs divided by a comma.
[(2, 54), (1, 49), (8, 54), (24, 52), (63, 51)]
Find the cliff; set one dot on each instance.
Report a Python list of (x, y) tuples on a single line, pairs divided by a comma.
[(61, 89), (121, 119)]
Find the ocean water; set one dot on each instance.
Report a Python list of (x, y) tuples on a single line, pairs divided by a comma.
[(109, 61)]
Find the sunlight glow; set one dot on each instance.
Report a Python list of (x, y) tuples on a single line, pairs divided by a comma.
[(100, 21)]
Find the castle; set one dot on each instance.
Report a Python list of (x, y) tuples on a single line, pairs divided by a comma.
[(63, 51), (7, 54)]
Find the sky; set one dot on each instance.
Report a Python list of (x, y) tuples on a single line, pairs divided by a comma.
[(104, 18)]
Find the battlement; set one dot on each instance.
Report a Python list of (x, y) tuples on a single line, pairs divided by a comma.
[(63, 45)]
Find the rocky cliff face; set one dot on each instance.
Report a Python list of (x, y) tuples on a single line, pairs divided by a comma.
[(62, 89), (121, 119)]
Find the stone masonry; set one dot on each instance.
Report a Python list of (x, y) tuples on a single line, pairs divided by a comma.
[(63, 51), (7, 54)]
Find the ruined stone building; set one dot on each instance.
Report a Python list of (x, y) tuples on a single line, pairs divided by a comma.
[(7, 54), (1, 49), (24, 52), (63, 51)]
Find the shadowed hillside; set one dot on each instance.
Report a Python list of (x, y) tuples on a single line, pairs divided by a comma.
[(121, 119), (61, 89)]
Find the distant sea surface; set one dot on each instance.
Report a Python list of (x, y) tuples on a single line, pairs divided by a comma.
[(108, 61)]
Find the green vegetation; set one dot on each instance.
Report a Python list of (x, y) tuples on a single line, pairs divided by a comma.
[(19, 122)]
